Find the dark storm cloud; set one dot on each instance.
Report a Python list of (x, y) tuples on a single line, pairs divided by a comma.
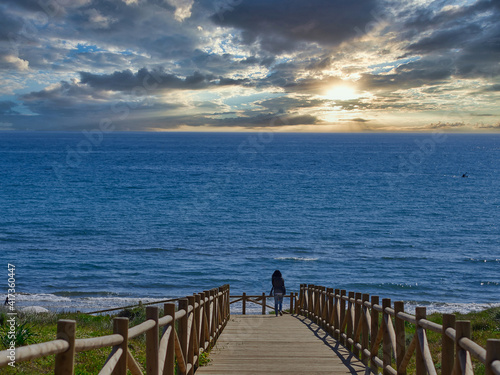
[(223, 64), (469, 36), (9, 26), (413, 74), (64, 94), (438, 17), (446, 39), (155, 79), (492, 88), (6, 107), (281, 25)]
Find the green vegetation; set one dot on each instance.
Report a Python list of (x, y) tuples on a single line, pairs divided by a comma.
[(22, 334), (37, 328), (484, 324)]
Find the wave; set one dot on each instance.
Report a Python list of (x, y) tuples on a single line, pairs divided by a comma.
[(448, 308), (476, 260), (84, 302), (42, 297), (297, 259), (65, 293), (494, 283)]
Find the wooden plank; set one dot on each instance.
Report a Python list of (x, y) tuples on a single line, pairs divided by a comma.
[(265, 344)]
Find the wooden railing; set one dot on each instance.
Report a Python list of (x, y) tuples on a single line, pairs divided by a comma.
[(261, 301), (199, 319), (366, 328)]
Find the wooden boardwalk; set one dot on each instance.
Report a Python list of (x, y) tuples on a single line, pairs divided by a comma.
[(266, 344)]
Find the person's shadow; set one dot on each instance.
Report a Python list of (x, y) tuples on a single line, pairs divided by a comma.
[(352, 363)]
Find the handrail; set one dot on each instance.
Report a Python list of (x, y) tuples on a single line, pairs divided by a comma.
[(84, 345), (355, 321), (261, 300), (362, 325), (200, 320), (26, 353)]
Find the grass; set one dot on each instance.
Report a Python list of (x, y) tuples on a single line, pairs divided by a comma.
[(484, 325), (42, 327)]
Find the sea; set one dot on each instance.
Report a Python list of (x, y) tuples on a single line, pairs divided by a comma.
[(94, 220)]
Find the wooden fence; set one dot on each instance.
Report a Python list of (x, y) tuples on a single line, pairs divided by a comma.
[(367, 328), (261, 301), (199, 319)]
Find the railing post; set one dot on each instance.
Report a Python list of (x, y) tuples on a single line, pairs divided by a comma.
[(357, 315), (213, 316), (302, 305), (324, 315), (264, 301), (330, 317), (191, 349), (199, 323), (169, 368), (316, 304), (310, 301), (365, 330), (399, 307), (448, 346), (120, 326), (336, 314), (183, 329), (386, 346), (228, 306), (208, 314), (206, 318), (374, 331), (244, 304), (342, 315), (292, 298), (320, 306), (492, 354), (420, 313), (350, 321), (462, 328), (152, 342), (65, 362), (220, 313)]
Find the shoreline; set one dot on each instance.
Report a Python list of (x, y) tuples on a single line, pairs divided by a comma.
[(63, 304)]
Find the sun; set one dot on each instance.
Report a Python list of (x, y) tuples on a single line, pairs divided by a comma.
[(342, 92)]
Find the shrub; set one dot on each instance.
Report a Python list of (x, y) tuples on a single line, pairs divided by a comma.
[(23, 335)]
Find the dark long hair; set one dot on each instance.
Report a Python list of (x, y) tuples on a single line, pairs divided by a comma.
[(276, 274)]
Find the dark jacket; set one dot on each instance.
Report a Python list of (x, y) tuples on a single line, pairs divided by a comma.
[(278, 285)]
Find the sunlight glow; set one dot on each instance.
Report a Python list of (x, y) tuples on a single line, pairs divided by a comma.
[(342, 92)]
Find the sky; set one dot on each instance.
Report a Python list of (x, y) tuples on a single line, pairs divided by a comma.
[(250, 65)]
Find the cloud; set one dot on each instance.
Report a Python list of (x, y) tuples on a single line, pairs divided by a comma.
[(284, 25), (492, 88), (13, 62), (97, 21), (155, 80), (6, 107), (249, 63)]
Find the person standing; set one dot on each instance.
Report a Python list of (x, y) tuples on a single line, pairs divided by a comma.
[(279, 291)]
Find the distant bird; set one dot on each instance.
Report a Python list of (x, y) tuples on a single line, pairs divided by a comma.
[(465, 175)]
